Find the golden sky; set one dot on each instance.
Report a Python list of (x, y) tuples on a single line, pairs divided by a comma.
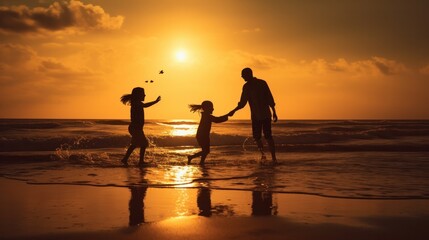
[(322, 59)]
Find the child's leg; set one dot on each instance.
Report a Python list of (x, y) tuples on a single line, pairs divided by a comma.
[(142, 153), (203, 142), (144, 143), (204, 153), (203, 158), (190, 157), (128, 153)]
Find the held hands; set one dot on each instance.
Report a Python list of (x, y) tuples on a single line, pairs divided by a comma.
[(230, 114)]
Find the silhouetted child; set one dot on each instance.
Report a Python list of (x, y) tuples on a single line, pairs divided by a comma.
[(138, 139), (203, 132)]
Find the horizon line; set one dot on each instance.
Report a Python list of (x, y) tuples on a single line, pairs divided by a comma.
[(284, 119)]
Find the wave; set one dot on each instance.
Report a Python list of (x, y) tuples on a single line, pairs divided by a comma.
[(344, 135), (18, 124), (29, 126), (175, 122), (112, 122), (375, 139)]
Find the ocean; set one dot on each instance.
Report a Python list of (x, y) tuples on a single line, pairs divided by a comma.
[(362, 159)]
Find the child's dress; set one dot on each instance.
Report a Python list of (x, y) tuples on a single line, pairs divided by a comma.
[(203, 132), (135, 128)]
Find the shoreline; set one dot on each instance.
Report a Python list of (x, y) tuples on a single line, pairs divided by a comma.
[(188, 185), (84, 212)]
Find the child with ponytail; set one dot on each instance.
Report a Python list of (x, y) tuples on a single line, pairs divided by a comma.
[(203, 132), (138, 138)]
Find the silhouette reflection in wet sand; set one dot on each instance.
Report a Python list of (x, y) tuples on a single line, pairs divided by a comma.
[(262, 203), (261, 200), (204, 196), (204, 202), (262, 197), (136, 204)]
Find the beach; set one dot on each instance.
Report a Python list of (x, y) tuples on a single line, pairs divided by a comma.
[(335, 179), (30, 211), (226, 119)]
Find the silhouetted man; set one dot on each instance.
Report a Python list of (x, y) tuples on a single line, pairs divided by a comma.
[(258, 94), (262, 203)]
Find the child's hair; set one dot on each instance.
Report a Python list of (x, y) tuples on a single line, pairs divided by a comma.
[(200, 108), (128, 98)]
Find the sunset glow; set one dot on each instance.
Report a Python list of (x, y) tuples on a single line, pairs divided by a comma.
[(181, 55), (219, 119), (319, 62)]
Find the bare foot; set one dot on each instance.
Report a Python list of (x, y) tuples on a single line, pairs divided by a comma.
[(124, 162), (142, 164), (189, 159), (273, 156)]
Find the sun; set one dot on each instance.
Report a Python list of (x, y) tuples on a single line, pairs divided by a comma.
[(181, 55)]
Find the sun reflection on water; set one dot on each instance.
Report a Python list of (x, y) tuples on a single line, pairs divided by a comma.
[(183, 175), (182, 208), (183, 131), (182, 128)]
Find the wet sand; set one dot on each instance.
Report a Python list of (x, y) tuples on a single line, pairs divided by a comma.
[(84, 212)]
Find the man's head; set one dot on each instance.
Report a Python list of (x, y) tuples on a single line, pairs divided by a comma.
[(247, 74)]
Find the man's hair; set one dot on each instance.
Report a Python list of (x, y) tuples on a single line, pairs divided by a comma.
[(247, 71)]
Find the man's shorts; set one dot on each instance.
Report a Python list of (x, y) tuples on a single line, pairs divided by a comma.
[(259, 126)]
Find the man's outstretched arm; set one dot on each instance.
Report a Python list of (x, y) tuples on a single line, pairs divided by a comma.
[(241, 104)]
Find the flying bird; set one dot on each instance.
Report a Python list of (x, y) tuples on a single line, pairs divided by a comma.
[(147, 81), (161, 72)]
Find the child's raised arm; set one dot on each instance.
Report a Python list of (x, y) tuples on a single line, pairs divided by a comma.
[(145, 105)]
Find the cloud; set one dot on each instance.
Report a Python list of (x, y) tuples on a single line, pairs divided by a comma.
[(15, 55), (256, 61), (254, 30), (72, 15), (388, 67), (373, 66), (425, 70), (54, 69), (24, 70)]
